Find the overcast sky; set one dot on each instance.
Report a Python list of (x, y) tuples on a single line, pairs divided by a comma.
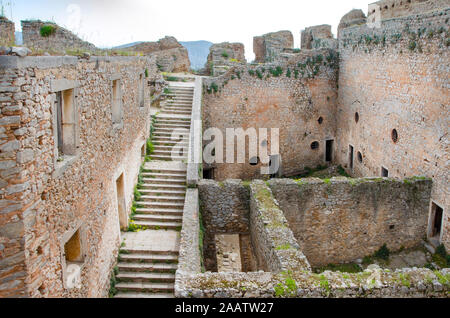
[(108, 23)]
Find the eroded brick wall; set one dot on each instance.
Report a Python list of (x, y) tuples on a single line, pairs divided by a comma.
[(41, 203), (396, 77), (341, 220)]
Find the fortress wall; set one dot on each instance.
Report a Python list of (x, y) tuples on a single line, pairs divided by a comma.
[(46, 196), (7, 32), (397, 77), (294, 105), (60, 41), (341, 220), (388, 9)]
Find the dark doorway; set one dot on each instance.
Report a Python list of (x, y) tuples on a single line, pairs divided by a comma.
[(329, 151), (384, 172), (208, 174), (350, 156), (438, 212)]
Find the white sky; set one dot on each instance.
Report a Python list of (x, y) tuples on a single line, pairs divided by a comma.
[(108, 23)]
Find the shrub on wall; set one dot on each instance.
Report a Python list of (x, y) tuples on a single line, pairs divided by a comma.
[(47, 30)]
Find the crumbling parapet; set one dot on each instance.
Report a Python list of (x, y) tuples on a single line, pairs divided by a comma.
[(388, 9), (268, 47), (354, 17), (318, 37), (223, 56), (7, 29), (170, 55), (52, 38)]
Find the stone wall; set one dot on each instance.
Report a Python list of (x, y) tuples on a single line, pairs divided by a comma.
[(388, 9), (341, 220), (269, 46), (300, 102), (394, 78), (170, 55), (7, 32), (222, 56), (318, 37), (46, 196), (276, 248), (354, 17), (59, 42)]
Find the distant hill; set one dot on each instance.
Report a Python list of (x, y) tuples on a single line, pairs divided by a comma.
[(198, 53), (126, 45)]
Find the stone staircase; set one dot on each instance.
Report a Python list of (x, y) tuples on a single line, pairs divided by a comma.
[(149, 258)]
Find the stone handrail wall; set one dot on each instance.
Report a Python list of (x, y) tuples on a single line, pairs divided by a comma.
[(194, 169)]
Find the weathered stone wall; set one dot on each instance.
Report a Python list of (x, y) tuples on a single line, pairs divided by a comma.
[(318, 37), (354, 17), (341, 220), (7, 32), (223, 56), (276, 248), (170, 55), (60, 41), (387, 9), (395, 77), (294, 102), (268, 47), (45, 197), (225, 209)]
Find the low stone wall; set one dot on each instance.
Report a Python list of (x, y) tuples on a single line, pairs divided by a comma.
[(7, 32), (60, 41), (341, 220), (46, 196), (373, 283)]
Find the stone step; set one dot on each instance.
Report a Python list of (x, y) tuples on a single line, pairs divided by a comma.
[(159, 225), (148, 267), (160, 211), (146, 251), (176, 152), (166, 158), (169, 121), (146, 287), (164, 181), (169, 148), (148, 258), (177, 170), (174, 111), (168, 205), (163, 186), (163, 175), (184, 131), (163, 192), (140, 277), (127, 295), (173, 126), (147, 198), (158, 218), (167, 140)]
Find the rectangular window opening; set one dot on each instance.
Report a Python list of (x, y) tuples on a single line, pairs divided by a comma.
[(384, 172), (350, 157), (116, 102), (329, 151)]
